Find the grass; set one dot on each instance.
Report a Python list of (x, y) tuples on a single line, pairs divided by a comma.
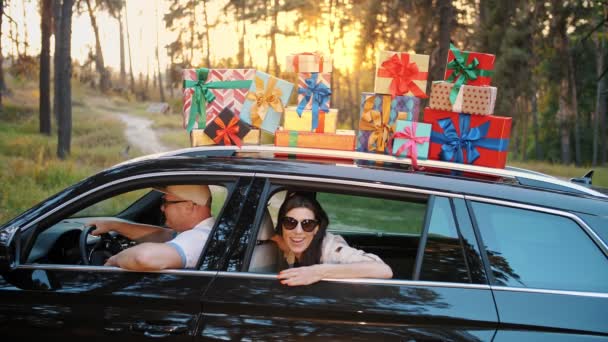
[(29, 168)]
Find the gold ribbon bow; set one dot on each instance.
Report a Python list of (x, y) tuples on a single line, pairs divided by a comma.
[(263, 98), (378, 123)]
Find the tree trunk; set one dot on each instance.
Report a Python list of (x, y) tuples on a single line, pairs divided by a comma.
[(437, 66), (241, 8), (192, 30), (600, 104), (2, 83), (26, 38), (537, 147), (564, 112), (160, 80), (46, 16), (524, 130), (132, 78), (207, 39), (574, 106), (273, 44), (104, 80), (123, 71), (601, 111), (63, 71)]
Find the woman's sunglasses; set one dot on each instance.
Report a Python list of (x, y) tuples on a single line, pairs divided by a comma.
[(290, 223)]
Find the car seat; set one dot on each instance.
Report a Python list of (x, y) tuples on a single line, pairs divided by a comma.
[(265, 257)]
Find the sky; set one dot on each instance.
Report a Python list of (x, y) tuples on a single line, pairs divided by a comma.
[(143, 23)]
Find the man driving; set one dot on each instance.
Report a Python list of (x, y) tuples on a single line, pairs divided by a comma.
[(187, 210)]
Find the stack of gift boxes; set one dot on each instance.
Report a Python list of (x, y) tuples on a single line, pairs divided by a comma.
[(232, 106)]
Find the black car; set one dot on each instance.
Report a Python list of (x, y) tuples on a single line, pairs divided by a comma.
[(477, 254)]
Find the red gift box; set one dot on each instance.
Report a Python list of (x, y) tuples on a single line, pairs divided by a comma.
[(481, 140), (461, 61)]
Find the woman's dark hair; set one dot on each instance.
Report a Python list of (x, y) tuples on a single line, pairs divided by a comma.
[(312, 254)]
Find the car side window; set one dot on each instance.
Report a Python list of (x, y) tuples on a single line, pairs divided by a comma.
[(60, 242), (533, 249), (389, 227)]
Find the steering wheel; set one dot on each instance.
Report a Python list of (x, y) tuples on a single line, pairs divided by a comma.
[(88, 253)]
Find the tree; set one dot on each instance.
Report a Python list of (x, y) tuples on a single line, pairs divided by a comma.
[(115, 9), (46, 22), (131, 77), (104, 81), (2, 83), (160, 80), (63, 72)]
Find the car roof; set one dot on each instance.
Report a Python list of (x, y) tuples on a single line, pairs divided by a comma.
[(511, 184)]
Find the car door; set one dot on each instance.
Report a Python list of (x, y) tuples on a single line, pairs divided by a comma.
[(548, 270), (111, 303), (431, 301)]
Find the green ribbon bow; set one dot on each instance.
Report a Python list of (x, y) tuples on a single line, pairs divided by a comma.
[(463, 72), (202, 95)]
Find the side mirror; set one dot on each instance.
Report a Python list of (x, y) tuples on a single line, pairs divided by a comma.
[(10, 248)]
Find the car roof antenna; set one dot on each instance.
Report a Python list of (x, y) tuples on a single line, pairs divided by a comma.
[(585, 180)]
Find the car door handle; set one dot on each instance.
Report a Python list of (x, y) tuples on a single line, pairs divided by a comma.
[(159, 329)]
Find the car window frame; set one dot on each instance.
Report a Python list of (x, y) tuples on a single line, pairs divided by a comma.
[(276, 182), (101, 192)]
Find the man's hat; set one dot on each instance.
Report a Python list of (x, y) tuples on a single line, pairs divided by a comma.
[(199, 194)]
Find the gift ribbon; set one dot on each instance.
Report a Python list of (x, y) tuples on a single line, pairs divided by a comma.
[(463, 72), (318, 58), (293, 139), (228, 133), (319, 93), (378, 123), (452, 145), (202, 95), (411, 145), (403, 74), (262, 98)]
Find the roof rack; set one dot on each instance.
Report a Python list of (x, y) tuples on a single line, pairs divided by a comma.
[(269, 151)]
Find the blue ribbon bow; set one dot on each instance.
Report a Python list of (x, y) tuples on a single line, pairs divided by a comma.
[(319, 93), (452, 145)]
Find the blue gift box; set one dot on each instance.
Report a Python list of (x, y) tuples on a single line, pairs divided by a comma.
[(265, 102)]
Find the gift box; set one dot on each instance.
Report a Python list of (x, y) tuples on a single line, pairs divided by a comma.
[(400, 73), (208, 91), (308, 62), (470, 68), (379, 114), (314, 93), (481, 140), (227, 129), (341, 140), (411, 139), (199, 138), (326, 121), (470, 99), (265, 102)]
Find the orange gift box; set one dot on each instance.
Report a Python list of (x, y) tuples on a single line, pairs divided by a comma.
[(341, 140)]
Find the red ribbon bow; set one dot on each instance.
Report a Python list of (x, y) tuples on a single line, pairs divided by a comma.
[(411, 144), (403, 74), (228, 132)]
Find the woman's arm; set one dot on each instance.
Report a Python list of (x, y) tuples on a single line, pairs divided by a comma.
[(312, 274)]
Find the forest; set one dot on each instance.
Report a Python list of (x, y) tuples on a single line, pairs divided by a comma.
[(550, 66)]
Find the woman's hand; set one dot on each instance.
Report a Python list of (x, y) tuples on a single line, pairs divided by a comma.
[(301, 275), (278, 239)]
